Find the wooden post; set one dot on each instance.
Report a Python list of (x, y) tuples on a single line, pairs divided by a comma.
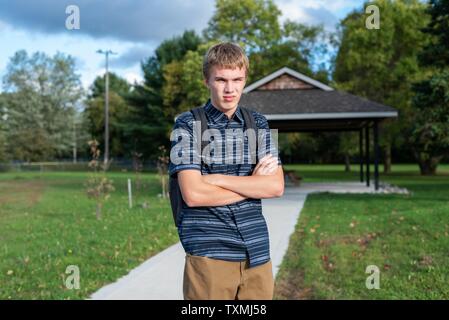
[(361, 154), (130, 194), (367, 153), (376, 155)]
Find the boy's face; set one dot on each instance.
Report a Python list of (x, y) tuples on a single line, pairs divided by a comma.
[(226, 88)]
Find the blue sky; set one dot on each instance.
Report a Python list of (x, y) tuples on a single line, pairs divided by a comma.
[(131, 28)]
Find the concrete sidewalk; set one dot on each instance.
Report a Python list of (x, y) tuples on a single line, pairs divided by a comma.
[(160, 277)]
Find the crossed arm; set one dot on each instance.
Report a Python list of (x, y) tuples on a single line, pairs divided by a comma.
[(267, 181)]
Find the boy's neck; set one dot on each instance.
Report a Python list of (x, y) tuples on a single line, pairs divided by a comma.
[(228, 113)]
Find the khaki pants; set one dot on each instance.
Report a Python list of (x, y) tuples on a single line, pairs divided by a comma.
[(206, 278)]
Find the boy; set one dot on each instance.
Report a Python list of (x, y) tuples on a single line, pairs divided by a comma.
[(222, 228)]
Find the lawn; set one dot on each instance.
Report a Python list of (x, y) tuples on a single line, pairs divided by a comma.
[(338, 236), (47, 223)]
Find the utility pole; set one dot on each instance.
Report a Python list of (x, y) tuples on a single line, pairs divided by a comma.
[(106, 106)]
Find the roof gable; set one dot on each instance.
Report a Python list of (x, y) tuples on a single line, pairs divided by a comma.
[(286, 78)]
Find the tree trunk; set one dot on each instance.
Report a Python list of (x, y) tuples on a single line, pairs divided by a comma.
[(347, 163), (387, 159), (427, 164), (427, 168)]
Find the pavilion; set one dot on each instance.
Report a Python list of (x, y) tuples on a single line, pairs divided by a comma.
[(293, 102)]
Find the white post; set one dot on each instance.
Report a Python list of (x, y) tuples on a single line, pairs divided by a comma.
[(129, 194)]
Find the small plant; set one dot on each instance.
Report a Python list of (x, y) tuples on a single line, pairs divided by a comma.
[(138, 167), (162, 168), (98, 186)]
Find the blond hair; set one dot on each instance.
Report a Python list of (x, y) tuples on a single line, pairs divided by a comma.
[(225, 55)]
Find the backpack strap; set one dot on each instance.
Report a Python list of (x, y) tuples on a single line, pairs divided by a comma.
[(199, 114), (250, 123)]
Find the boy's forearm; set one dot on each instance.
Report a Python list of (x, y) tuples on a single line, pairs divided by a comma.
[(212, 196), (256, 187)]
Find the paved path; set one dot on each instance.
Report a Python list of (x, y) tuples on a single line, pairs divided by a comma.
[(160, 277)]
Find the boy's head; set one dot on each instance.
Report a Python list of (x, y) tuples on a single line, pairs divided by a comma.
[(225, 70)]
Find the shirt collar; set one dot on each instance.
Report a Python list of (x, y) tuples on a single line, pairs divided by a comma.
[(218, 116)]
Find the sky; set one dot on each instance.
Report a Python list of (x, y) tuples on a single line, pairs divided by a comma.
[(132, 29)]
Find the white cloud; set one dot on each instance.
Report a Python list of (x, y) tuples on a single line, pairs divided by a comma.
[(132, 77), (327, 12)]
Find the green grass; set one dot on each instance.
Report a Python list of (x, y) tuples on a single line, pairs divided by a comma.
[(47, 223), (338, 236)]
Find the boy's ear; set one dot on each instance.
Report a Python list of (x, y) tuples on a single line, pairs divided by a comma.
[(205, 82)]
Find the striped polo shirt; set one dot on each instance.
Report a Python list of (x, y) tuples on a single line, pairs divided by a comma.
[(234, 232)]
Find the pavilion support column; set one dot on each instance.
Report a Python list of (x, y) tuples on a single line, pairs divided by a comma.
[(361, 153), (367, 153), (376, 155)]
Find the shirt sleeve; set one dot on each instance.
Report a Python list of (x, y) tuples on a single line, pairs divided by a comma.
[(183, 153)]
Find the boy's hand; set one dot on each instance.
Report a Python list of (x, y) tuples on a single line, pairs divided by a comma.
[(267, 166)]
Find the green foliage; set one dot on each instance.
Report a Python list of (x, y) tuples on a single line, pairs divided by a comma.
[(41, 98), (184, 87), (3, 154), (436, 53), (382, 64), (117, 84), (119, 113), (252, 22), (429, 134), (150, 121)]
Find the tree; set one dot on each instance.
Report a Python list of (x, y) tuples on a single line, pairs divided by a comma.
[(42, 94), (349, 147), (430, 131), (116, 83), (252, 22), (300, 48), (429, 134), (2, 128), (382, 64), (149, 123), (119, 112), (184, 87)]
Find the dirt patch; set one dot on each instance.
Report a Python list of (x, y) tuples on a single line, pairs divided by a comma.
[(292, 288), (26, 192), (362, 240)]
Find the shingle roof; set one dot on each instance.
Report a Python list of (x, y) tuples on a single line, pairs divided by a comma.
[(309, 102)]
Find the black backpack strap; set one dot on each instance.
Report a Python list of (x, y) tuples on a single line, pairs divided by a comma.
[(199, 114), (250, 123)]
